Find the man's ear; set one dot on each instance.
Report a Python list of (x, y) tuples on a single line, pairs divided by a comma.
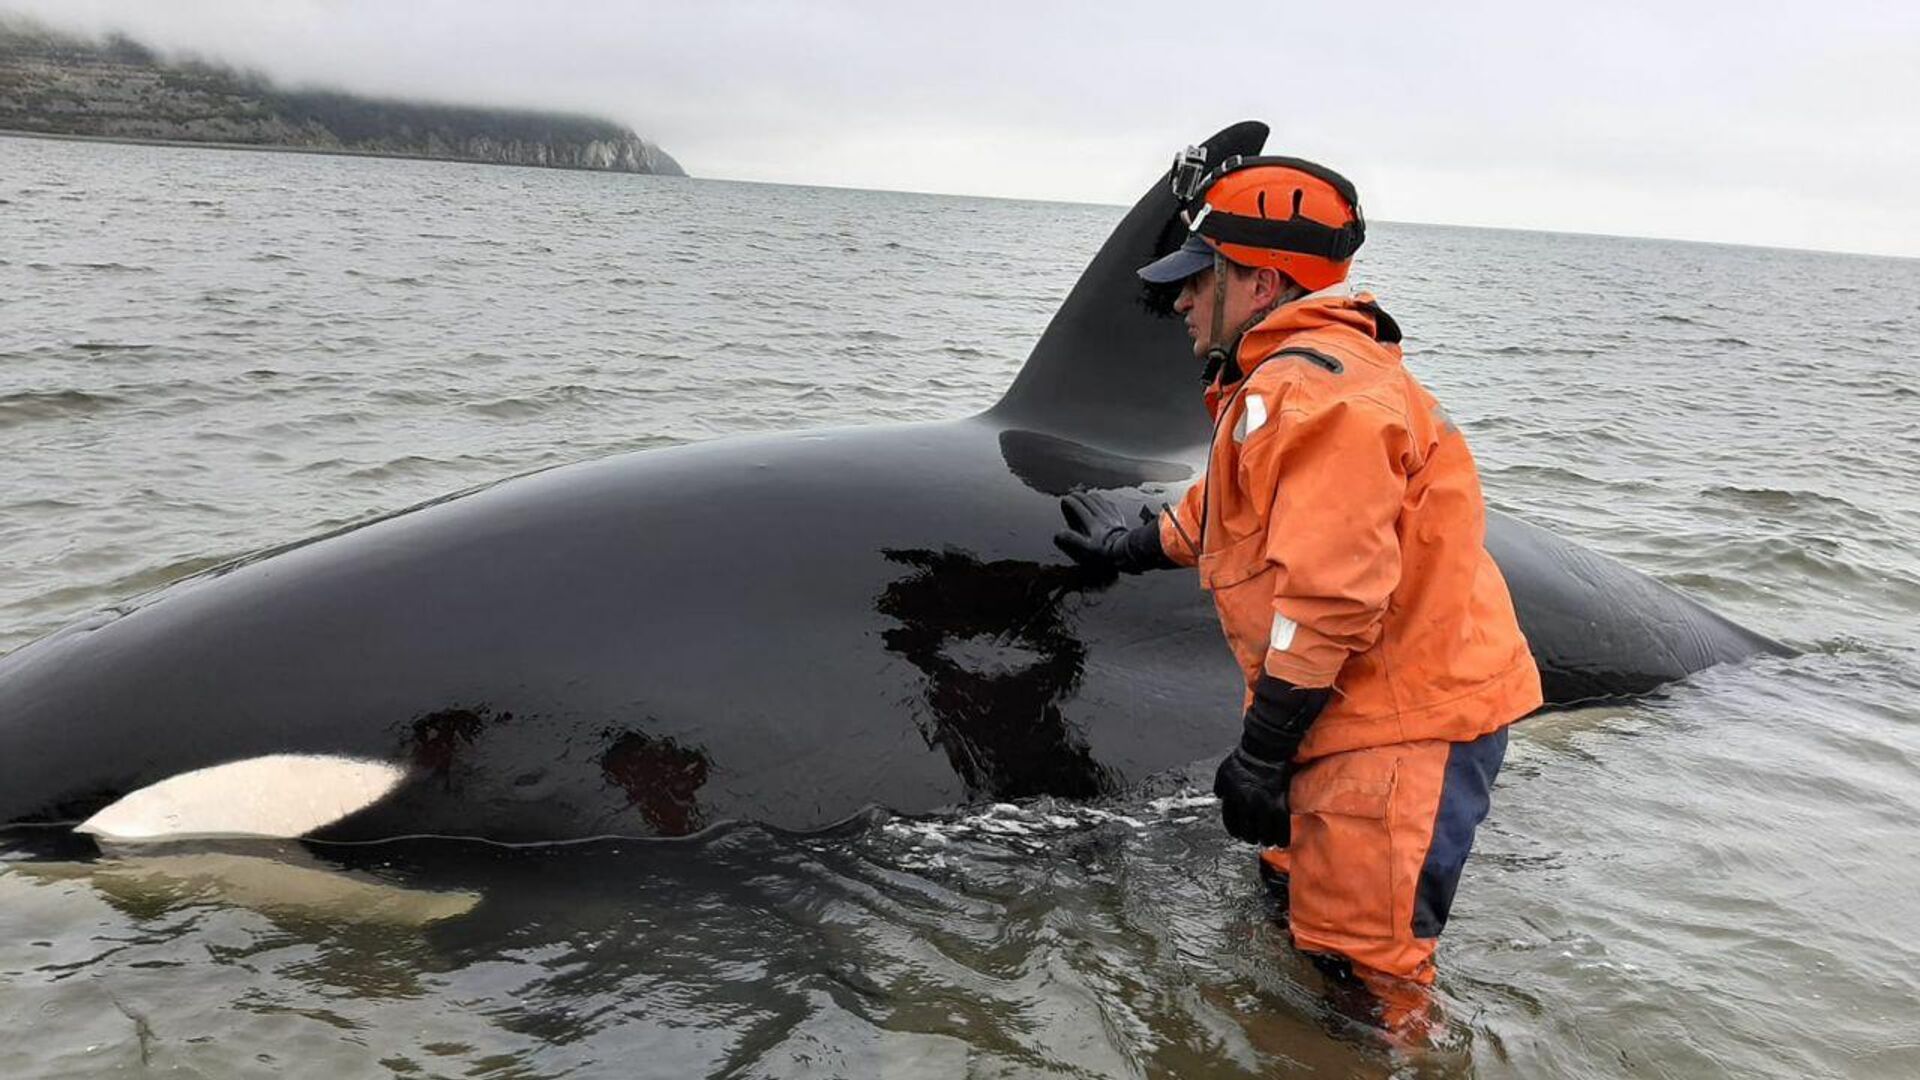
[(1269, 286)]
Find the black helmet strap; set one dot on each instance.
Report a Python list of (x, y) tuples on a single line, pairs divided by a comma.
[(1294, 233), (1218, 352), (1297, 234)]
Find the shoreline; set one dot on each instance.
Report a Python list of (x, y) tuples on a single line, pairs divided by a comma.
[(135, 140), (330, 151)]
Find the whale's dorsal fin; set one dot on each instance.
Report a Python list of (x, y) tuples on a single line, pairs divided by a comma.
[(1107, 371)]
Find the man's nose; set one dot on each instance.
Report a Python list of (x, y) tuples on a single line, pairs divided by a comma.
[(1184, 302)]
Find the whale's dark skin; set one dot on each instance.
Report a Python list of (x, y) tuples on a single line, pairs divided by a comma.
[(784, 629)]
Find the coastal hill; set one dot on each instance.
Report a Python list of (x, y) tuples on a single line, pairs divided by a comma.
[(54, 83)]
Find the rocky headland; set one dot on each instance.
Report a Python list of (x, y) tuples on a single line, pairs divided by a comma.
[(52, 83)]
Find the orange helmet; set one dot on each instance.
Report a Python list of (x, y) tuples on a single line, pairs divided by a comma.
[(1300, 218)]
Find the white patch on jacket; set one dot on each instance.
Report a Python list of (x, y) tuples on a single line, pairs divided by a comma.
[(1282, 638), (1253, 417)]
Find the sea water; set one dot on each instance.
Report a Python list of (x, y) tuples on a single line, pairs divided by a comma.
[(207, 353)]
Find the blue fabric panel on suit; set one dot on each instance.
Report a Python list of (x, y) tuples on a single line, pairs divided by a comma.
[(1464, 796)]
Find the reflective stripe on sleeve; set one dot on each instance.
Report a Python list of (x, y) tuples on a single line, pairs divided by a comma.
[(1282, 638), (1252, 418)]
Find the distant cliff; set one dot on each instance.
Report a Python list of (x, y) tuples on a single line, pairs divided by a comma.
[(56, 84)]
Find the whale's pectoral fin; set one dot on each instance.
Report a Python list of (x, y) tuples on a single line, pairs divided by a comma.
[(276, 880)]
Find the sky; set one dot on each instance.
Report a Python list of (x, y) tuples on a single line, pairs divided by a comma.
[(1768, 123)]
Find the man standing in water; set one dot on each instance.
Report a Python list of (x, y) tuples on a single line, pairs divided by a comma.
[(1340, 527)]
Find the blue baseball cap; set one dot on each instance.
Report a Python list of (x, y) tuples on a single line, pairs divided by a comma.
[(1189, 259)]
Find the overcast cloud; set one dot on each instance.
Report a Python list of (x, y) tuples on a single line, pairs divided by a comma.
[(1764, 123)]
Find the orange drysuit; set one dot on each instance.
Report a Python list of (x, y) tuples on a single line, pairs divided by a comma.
[(1341, 530)]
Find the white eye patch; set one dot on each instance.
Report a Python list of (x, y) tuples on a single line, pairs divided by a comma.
[(278, 795)]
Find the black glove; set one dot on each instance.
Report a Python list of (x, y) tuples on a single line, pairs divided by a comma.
[(1097, 535), (1252, 781)]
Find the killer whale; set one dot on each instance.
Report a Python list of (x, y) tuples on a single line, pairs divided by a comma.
[(785, 629)]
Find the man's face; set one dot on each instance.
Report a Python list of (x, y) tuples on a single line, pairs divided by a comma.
[(1246, 292)]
